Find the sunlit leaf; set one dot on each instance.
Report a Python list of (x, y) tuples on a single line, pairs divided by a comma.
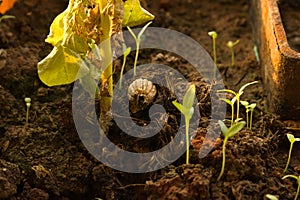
[(57, 29), (235, 128), (134, 14), (61, 66)]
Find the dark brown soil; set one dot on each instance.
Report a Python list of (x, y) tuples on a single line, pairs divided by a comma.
[(46, 159)]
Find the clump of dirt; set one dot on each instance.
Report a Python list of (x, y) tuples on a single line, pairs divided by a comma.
[(47, 160)]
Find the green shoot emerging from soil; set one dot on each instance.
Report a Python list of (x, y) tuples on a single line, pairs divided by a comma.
[(6, 17), (292, 139), (214, 36), (137, 42), (271, 197), (230, 45), (249, 108), (187, 109), (126, 51), (228, 133), (298, 182), (237, 96), (28, 103)]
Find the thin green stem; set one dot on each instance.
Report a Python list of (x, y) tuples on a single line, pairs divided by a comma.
[(27, 115), (232, 113), (232, 57), (251, 115), (187, 123), (237, 107), (122, 70), (136, 55), (223, 159), (289, 157), (215, 57), (247, 116)]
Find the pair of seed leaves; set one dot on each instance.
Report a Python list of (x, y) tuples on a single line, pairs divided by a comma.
[(78, 30)]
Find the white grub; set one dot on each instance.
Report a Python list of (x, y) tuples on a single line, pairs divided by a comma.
[(141, 91)]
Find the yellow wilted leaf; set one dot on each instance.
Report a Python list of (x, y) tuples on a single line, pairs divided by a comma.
[(57, 29), (134, 14), (6, 5), (61, 66)]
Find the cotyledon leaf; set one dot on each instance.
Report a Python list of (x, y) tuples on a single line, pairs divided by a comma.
[(134, 14), (61, 66)]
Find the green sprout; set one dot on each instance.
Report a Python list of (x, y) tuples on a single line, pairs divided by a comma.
[(187, 109), (298, 182), (237, 95), (228, 133), (231, 103), (214, 36), (271, 197), (249, 108), (126, 51), (6, 17), (137, 42), (230, 45), (28, 103), (292, 139)]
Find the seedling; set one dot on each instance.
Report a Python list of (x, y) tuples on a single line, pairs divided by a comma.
[(249, 108), (231, 103), (292, 139), (6, 17), (28, 103), (298, 182), (214, 36), (126, 51), (230, 45), (271, 197), (238, 97), (228, 133), (187, 109), (137, 42)]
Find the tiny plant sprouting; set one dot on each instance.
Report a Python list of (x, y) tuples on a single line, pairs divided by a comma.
[(238, 97), (271, 197), (249, 108), (231, 103), (292, 139), (6, 17), (137, 42), (298, 182), (28, 103), (230, 45), (126, 51), (214, 36), (228, 133), (187, 109)]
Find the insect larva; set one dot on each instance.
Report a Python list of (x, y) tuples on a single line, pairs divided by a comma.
[(141, 92)]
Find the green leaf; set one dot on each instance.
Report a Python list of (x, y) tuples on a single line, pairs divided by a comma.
[(245, 103), (226, 100), (188, 99), (229, 91), (224, 128), (235, 128), (76, 43), (56, 34), (61, 66), (134, 14), (271, 197), (246, 85)]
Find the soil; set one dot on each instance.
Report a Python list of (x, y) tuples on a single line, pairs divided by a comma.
[(46, 159)]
